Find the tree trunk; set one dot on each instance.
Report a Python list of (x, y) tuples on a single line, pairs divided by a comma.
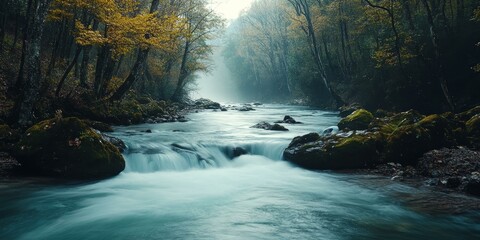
[(20, 77), (177, 95), (439, 73), (30, 94), (138, 68), (4, 18), (86, 60), (302, 8), (102, 58), (67, 71), (54, 56), (15, 36), (135, 74)]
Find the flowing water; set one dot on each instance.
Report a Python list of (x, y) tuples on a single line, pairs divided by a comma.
[(182, 181)]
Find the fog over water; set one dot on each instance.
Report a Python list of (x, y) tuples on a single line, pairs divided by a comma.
[(218, 84)]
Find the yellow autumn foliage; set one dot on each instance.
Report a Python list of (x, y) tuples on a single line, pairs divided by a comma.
[(124, 26)]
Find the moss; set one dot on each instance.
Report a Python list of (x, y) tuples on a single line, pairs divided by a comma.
[(407, 144), (68, 148), (333, 152), (469, 114), (358, 120), (473, 132), (445, 129), (473, 126)]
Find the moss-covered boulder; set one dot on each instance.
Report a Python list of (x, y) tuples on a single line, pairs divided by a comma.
[(407, 143), (68, 148), (333, 152), (358, 120), (400, 138), (348, 109)]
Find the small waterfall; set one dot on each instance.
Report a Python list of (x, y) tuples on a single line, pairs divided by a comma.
[(153, 157)]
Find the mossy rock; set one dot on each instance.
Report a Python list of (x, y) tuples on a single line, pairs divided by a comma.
[(473, 131), (391, 122), (348, 109), (407, 144), (68, 148), (358, 120), (100, 126), (334, 153), (467, 115), (444, 129)]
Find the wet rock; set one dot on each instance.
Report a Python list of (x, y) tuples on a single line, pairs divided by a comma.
[(358, 120), (223, 109), (330, 131), (100, 126), (68, 148), (239, 151), (268, 126), (313, 151), (245, 108), (348, 109), (117, 142), (289, 120), (278, 127), (8, 165), (204, 103), (457, 167), (257, 104)]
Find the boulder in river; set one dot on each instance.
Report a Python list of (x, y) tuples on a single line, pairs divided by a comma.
[(268, 126), (313, 151), (204, 103), (245, 108), (289, 120), (68, 148)]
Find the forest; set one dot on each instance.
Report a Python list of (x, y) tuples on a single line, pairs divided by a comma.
[(55, 52), (340, 119), (395, 55), (390, 54)]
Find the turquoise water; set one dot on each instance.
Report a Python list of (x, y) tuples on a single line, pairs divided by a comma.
[(182, 183)]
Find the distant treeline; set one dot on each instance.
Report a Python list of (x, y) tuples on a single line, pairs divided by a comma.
[(393, 54)]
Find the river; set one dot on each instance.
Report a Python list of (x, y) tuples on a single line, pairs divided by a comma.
[(183, 182)]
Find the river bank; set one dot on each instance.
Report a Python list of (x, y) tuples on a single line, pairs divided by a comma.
[(439, 149)]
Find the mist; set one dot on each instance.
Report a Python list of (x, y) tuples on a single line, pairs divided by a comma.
[(218, 84)]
